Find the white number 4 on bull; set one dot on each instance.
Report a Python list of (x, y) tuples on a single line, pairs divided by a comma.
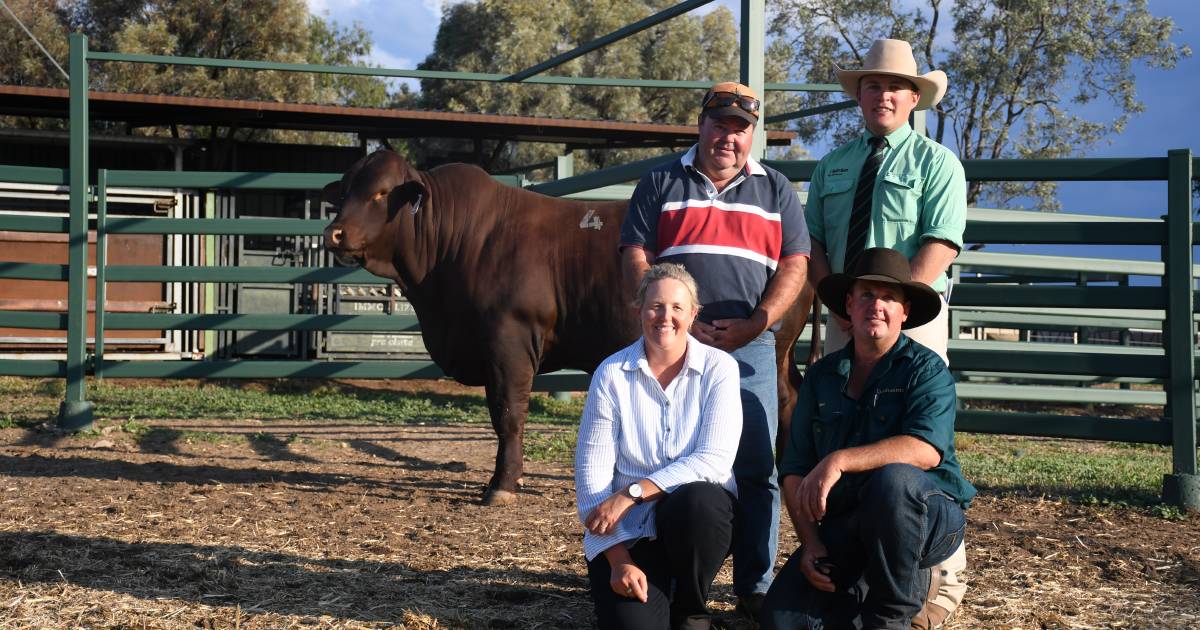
[(591, 220)]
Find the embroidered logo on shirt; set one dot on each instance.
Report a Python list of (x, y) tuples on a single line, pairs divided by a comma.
[(834, 172), (890, 390)]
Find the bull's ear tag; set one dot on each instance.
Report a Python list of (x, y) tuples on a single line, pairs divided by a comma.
[(591, 220), (416, 204)]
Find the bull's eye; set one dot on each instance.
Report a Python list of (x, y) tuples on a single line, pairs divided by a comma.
[(379, 195)]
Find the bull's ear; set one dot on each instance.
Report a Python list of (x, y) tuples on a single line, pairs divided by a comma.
[(410, 194), (332, 194)]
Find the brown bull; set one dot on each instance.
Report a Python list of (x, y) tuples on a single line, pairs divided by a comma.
[(506, 283)]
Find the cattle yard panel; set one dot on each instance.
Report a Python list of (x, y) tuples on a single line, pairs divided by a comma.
[(1174, 363), (49, 295), (969, 357)]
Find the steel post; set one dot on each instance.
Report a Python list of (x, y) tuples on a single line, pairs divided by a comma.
[(75, 413), (564, 165), (754, 45), (210, 260), (917, 120), (1182, 486), (101, 262)]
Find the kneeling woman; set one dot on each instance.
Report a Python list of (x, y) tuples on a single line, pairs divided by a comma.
[(653, 466)]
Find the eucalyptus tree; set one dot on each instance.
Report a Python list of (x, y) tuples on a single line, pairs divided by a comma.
[(1023, 73), (506, 36), (260, 30), (22, 62)]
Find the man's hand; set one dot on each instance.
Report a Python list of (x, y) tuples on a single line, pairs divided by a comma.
[(817, 576), (730, 334), (627, 580), (635, 261), (812, 548), (814, 488), (603, 520)]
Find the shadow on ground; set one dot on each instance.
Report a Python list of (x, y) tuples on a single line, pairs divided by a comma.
[(289, 584)]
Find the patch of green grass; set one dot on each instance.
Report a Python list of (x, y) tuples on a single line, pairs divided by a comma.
[(1088, 472), (1168, 512), (211, 437), (251, 400), (548, 410), (135, 428), (8, 421), (52, 388), (38, 399), (32, 400), (557, 446), (91, 432)]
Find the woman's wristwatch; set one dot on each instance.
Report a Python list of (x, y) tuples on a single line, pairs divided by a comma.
[(635, 492)]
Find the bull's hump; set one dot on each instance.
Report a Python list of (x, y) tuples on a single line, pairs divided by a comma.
[(459, 173)]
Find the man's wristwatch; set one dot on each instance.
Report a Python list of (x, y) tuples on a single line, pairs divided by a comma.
[(635, 492)]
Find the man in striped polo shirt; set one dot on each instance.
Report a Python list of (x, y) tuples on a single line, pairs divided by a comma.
[(739, 229)]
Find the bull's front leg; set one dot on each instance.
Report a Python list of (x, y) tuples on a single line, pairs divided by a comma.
[(789, 377), (510, 378)]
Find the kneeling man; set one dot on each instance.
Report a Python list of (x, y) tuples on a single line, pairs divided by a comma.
[(869, 473)]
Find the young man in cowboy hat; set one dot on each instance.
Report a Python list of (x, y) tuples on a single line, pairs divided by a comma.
[(738, 227), (869, 472), (889, 187), (906, 192)]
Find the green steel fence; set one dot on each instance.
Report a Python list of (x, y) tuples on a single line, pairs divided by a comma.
[(1174, 364)]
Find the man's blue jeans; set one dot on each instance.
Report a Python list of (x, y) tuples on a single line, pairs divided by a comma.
[(882, 535), (757, 537)]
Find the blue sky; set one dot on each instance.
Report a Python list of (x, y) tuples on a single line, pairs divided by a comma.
[(403, 33)]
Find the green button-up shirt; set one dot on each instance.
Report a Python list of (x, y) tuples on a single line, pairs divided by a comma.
[(920, 193), (909, 392)]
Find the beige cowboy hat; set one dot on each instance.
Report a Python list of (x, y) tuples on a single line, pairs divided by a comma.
[(894, 57)]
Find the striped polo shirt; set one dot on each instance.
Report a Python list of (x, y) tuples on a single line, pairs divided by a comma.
[(731, 241)]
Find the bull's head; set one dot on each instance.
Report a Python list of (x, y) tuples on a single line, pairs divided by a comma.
[(368, 198)]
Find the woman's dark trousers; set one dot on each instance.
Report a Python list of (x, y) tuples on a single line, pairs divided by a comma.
[(695, 528)]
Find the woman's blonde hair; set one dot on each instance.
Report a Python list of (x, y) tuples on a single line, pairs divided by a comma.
[(662, 271)]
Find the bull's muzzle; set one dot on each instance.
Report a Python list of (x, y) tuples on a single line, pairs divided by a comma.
[(336, 244), (335, 237)]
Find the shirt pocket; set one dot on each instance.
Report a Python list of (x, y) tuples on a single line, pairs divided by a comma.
[(885, 416), (837, 194), (827, 429), (837, 200), (901, 194)]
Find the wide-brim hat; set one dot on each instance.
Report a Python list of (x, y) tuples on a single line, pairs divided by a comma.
[(737, 89), (882, 264), (894, 57)]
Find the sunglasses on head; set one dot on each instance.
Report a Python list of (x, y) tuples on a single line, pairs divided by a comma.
[(725, 99)]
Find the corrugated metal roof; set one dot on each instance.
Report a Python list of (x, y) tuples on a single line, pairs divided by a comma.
[(157, 110)]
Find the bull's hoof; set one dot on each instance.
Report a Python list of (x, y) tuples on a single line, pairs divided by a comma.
[(496, 496)]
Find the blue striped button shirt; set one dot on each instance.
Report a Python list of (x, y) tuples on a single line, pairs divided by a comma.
[(633, 429)]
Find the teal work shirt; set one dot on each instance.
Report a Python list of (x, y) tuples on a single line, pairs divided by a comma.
[(920, 193), (909, 392)]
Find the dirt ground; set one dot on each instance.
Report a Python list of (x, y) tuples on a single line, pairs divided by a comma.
[(338, 525)]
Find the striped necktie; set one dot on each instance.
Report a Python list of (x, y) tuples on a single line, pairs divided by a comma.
[(860, 214)]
